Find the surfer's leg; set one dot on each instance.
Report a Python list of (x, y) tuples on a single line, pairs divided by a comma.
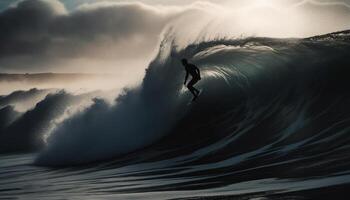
[(195, 93), (195, 80), (193, 90)]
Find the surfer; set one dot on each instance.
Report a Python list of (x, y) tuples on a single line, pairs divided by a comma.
[(196, 76)]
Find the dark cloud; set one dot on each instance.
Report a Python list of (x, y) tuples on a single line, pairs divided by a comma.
[(110, 31), (37, 31), (25, 27)]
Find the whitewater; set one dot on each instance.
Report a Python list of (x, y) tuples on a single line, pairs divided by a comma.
[(273, 122)]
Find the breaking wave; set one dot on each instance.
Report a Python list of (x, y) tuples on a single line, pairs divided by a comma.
[(267, 103)]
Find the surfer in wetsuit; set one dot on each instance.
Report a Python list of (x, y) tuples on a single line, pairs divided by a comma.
[(196, 76)]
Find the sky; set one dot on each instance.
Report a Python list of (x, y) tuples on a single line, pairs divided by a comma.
[(119, 36)]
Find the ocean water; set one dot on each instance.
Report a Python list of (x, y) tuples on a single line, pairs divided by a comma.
[(272, 122)]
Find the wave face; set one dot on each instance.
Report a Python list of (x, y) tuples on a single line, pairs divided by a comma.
[(274, 115), (263, 98), (270, 108)]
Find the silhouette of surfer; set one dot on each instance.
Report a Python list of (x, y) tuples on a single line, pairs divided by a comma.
[(196, 76)]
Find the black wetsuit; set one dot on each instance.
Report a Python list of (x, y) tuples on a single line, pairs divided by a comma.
[(192, 69), (195, 73)]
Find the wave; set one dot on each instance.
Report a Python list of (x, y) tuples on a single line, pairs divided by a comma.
[(7, 116), (26, 131), (24, 100), (266, 103)]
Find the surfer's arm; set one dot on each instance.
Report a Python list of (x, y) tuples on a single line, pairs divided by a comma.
[(186, 77)]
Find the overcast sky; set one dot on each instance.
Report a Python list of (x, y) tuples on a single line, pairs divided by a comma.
[(122, 36)]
